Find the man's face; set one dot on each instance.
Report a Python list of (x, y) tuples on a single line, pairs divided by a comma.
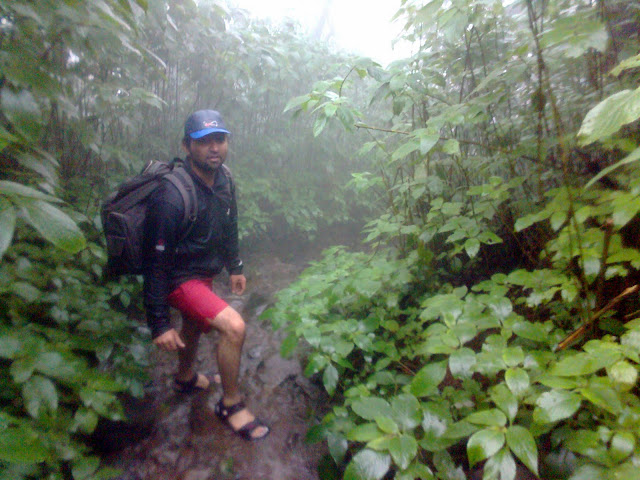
[(209, 152)]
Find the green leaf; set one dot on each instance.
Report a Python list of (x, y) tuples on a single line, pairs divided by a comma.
[(39, 392), (84, 467), (54, 225), (556, 405), (500, 466), (405, 149), (426, 381), (22, 369), (622, 445), (319, 125), (23, 112), (364, 433), (462, 362), (371, 407), (17, 191), (406, 411), (631, 62), (415, 470), (609, 116), (403, 450), (85, 420), (10, 344), (504, 400), (21, 445), (583, 363), (367, 465), (493, 417), (513, 356), (631, 158), (330, 379), (483, 444), (575, 34), (337, 446), (517, 380), (623, 375), (7, 224), (603, 396), (590, 444), (530, 331), (472, 247), (387, 425), (523, 445)]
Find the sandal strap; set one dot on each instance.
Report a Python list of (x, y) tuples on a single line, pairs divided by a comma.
[(186, 385), (225, 411), (246, 430)]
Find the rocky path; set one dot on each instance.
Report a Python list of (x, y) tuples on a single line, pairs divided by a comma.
[(183, 439)]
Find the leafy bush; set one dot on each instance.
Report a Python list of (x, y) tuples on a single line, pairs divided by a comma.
[(67, 350)]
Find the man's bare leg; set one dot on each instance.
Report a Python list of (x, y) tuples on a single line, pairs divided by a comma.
[(190, 335), (231, 327)]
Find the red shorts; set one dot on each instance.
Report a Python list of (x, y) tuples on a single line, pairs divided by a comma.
[(197, 302)]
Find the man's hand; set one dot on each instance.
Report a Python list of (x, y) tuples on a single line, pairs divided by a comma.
[(169, 341), (238, 284)]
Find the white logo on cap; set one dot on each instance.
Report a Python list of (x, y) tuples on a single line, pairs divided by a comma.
[(213, 123)]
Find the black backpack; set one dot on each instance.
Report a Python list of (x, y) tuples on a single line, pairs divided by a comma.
[(123, 214)]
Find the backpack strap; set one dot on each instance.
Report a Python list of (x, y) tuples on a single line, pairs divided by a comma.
[(184, 183)]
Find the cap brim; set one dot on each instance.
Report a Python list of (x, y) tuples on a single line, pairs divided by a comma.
[(207, 131)]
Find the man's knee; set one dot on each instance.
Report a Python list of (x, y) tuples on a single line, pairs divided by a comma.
[(230, 324)]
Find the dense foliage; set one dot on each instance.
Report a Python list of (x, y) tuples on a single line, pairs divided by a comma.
[(494, 323), (90, 90)]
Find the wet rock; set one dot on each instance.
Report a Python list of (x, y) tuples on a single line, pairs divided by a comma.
[(140, 415), (165, 457), (199, 474), (276, 370)]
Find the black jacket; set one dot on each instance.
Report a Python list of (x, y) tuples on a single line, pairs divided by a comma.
[(210, 246)]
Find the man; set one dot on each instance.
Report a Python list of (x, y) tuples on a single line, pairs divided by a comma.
[(179, 271)]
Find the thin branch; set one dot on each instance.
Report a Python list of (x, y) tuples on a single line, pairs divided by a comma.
[(581, 331)]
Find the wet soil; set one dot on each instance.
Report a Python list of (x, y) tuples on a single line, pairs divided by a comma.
[(177, 436)]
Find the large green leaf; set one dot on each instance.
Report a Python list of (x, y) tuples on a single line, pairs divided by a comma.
[(576, 34), (500, 466), (517, 380), (556, 405), (631, 158), (23, 112), (18, 190), (54, 225), (7, 224), (493, 417), (609, 116), (584, 363), (406, 411), (523, 445), (39, 393), (21, 445), (367, 465), (403, 450), (330, 379), (483, 444), (426, 381), (371, 407), (462, 362)]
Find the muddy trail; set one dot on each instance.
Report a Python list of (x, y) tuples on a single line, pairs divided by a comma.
[(174, 436)]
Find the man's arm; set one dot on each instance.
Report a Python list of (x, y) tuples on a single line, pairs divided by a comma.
[(160, 237)]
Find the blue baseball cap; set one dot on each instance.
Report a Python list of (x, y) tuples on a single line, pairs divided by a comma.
[(204, 122)]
